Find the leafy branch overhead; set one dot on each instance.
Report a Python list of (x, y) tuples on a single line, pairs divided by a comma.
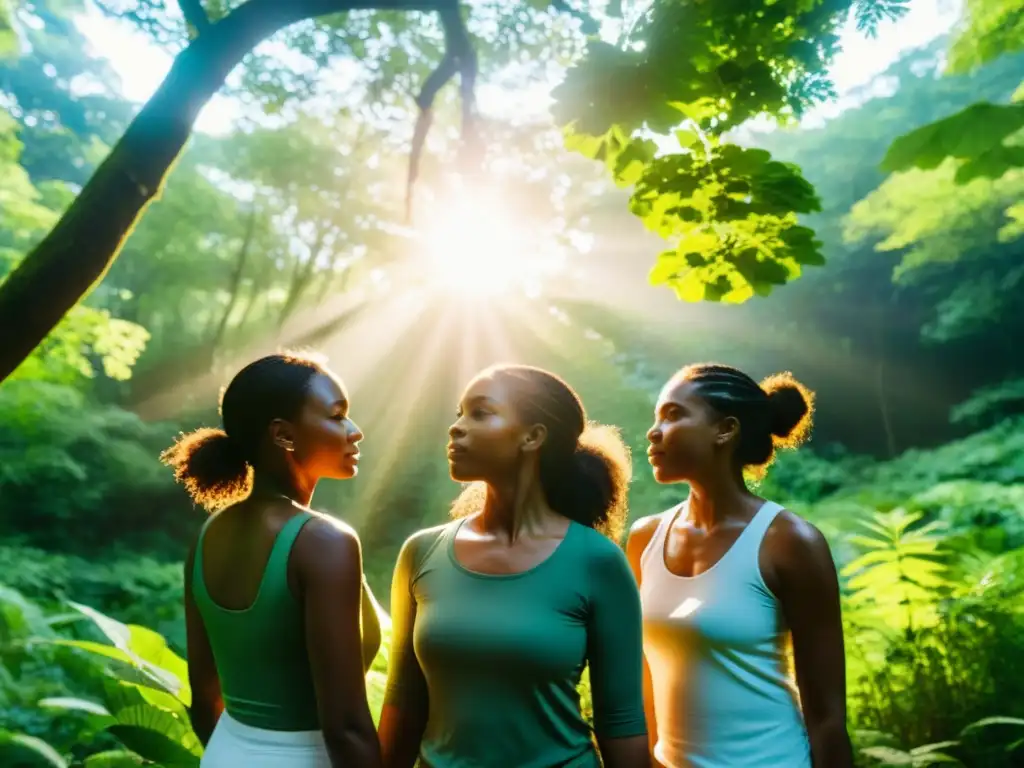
[(984, 137), (979, 136), (731, 213), (707, 68)]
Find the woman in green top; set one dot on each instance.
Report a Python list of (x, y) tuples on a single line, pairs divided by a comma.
[(273, 590), (496, 614)]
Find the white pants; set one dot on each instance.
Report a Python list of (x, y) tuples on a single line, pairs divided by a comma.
[(234, 745)]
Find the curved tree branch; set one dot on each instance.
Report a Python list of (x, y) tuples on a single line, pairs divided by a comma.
[(459, 59), (79, 250), (195, 16)]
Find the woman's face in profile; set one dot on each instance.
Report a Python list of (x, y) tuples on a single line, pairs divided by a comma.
[(484, 442), (326, 438), (683, 436)]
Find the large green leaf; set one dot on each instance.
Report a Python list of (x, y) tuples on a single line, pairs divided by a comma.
[(175, 727), (154, 746), (143, 648), (126, 664), (976, 133)]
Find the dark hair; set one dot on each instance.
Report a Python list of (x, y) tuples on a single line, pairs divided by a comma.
[(585, 467), (777, 413), (216, 465)]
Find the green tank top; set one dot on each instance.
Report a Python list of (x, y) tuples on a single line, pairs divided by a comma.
[(260, 652)]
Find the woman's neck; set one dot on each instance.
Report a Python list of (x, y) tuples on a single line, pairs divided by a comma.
[(515, 507), (718, 499), (266, 484)]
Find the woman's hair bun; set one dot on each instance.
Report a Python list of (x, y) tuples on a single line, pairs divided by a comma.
[(211, 466), (791, 407)]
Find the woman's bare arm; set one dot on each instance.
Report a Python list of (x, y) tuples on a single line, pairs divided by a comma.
[(404, 717), (330, 571), (807, 586)]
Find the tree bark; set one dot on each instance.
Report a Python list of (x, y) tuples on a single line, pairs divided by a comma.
[(236, 281), (880, 383), (302, 274), (79, 250)]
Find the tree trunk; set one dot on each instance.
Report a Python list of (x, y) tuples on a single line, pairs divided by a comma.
[(236, 281), (880, 384), (256, 287), (301, 277), (79, 250)]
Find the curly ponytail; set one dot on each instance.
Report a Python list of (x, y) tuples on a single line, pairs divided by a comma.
[(590, 485), (211, 467)]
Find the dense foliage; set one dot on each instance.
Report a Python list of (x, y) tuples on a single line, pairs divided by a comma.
[(284, 230)]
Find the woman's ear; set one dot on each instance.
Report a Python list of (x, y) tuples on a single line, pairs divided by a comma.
[(534, 439), (282, 435), (728, 430)]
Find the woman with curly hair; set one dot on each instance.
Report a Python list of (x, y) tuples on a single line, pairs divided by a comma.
[(729, 580), (496, 613), (274, 594)]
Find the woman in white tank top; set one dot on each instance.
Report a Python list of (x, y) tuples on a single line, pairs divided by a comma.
[(727, 580)]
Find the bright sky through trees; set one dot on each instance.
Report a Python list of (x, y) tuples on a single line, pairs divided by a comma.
[(142, 65)]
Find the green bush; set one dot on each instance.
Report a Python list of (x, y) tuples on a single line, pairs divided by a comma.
[(136, 589), (75, 475)]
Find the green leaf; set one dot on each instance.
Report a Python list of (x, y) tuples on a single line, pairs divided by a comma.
[(666, 268), (987, 722), (148, 674), (632, 160), (991, 164), (174, 727), (154, 746), (142, 648), (114, 758), (687, 138), (970, 133), (17, 748), (79, 705), (889, 756)]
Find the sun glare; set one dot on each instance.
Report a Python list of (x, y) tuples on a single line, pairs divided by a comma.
[(475, 247)]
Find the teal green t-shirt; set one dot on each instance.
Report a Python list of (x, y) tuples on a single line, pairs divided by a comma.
[(502, 655)]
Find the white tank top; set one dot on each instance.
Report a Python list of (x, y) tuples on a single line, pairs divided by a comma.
[(715, 644)]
